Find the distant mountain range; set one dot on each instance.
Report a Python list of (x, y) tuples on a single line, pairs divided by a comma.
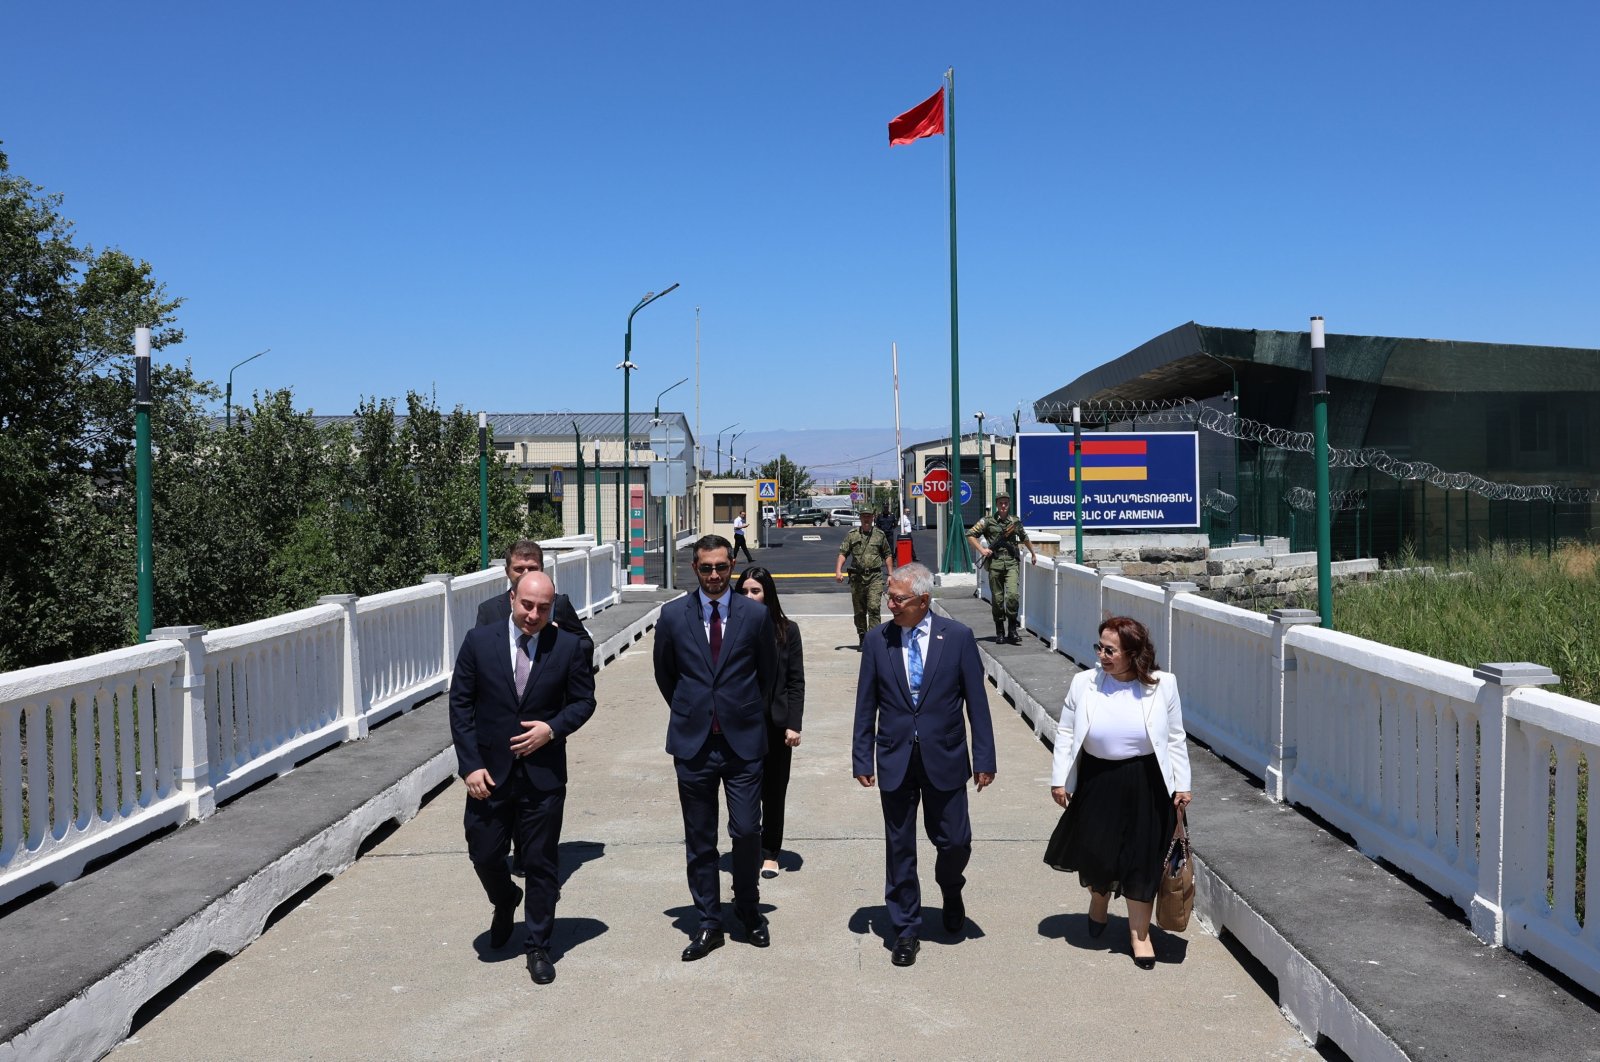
[(827, 453)]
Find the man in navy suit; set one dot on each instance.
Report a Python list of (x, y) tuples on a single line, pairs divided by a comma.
[(518, 691), (918, 672), (524, 556), (716, 660)]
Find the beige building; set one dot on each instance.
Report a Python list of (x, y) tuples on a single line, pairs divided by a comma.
[(999, 466), (570, 464)]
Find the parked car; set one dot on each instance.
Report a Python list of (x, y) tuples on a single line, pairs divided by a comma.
[(842, 518), (814, 517)]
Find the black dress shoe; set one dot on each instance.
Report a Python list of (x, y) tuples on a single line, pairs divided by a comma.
[(703, 943), (1145, 962), (955, 914), (905, 951), (755, 928), (505, 916), (1096, 928), (540, 967)]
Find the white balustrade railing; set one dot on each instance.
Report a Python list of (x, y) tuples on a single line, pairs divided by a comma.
[(88, 761), (468, 592), (1078, 611), (273, 695), (1038, 607), (403, 627), (1224, 657), (1140, 601), (1552, 755), (1388, 751), (1470, 780), (99, 752)]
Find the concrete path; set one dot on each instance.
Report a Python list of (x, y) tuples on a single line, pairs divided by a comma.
[(390, 960)]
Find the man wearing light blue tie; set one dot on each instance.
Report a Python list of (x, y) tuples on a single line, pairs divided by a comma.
[(919, 672)]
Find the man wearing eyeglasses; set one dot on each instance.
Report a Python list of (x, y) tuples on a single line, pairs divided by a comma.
[(919, 672), (716, 661)]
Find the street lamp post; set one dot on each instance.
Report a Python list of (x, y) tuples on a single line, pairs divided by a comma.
[(144, 507), (227, 401), (627, 366), (980, 414), (483, 489), (666, 525), (735, 424), (577, 442), (733, 439)]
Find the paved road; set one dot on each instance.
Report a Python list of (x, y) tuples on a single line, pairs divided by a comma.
[(390, 961)]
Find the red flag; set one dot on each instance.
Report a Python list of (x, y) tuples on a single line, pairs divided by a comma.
[(925, 119)]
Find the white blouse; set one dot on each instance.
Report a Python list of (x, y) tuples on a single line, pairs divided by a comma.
[(1118, 732)]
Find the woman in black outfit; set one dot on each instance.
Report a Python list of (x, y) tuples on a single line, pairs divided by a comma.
[(783, 713), (1121, 771)]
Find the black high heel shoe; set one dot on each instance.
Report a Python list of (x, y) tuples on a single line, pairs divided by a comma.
[(1145, 962), (1097, 928)]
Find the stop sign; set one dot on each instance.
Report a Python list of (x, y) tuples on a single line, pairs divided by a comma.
[(936, 486)]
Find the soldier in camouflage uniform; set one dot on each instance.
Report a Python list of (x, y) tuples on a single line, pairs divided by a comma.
[(862, 557), (1005, 536)]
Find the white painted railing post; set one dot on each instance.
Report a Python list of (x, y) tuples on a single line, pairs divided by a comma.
[(1055, 605), (1283, 703), (447, 648), (1172, 590), (1500, 681), (352, 695), (194, 744)]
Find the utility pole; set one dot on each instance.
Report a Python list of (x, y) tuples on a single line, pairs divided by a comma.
[(141, 428), (1319, 411), (483, 489)]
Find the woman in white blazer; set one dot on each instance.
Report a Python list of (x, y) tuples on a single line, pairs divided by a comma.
[(1121, 773)]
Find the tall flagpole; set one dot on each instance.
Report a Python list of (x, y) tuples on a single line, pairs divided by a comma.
[(956, 558), (899, 454)]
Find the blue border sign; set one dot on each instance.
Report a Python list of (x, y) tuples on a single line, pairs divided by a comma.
[(1143, 481)]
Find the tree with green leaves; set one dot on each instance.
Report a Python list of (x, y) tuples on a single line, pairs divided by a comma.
[(794, 481), (67, 315)]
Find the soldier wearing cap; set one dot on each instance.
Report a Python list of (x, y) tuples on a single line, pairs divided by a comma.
[(1005, 535), (863, 558)]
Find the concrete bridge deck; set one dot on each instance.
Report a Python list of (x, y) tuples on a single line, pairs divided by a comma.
[(388, 958)]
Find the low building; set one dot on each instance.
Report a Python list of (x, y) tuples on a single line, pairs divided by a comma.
[(1507, 414), (998, 472)]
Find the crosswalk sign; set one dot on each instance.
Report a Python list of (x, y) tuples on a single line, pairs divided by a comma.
[(916, 490), (767, 490)]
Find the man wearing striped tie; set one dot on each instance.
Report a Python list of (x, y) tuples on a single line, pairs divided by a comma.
[(919, 673)]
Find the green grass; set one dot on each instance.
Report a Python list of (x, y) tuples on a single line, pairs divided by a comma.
[(1490, 607)]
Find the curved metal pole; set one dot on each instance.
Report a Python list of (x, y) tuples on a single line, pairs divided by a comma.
[(627, 368), (227, 402)]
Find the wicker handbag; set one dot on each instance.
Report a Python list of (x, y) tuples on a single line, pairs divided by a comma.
[(1175, 898)]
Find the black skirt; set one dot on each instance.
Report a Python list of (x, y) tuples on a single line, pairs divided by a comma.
[(1116, 829)]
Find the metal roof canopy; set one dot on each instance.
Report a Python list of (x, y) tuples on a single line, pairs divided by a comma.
[(1176, 364)]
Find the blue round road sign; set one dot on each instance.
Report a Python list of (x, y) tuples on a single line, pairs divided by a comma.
[(966, 492)]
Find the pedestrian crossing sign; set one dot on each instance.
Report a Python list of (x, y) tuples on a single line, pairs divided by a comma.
[(767, 490), (916, 490)]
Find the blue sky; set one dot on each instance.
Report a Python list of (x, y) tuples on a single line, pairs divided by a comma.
[(468, 199)]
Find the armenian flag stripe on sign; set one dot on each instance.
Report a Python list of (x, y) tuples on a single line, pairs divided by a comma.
[(1112, 459)]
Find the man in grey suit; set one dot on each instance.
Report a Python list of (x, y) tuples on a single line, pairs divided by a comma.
[(716, 660), (524, 556), (921, 684), (517, 693)]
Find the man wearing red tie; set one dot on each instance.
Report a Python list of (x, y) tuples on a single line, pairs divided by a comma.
[(715, 661), (518, 690)]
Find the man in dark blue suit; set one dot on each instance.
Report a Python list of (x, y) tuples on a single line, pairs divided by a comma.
[(716, 660), (918, 673), (518, 691)]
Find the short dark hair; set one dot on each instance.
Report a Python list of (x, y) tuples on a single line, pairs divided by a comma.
[(524, 547), (706, 543)]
